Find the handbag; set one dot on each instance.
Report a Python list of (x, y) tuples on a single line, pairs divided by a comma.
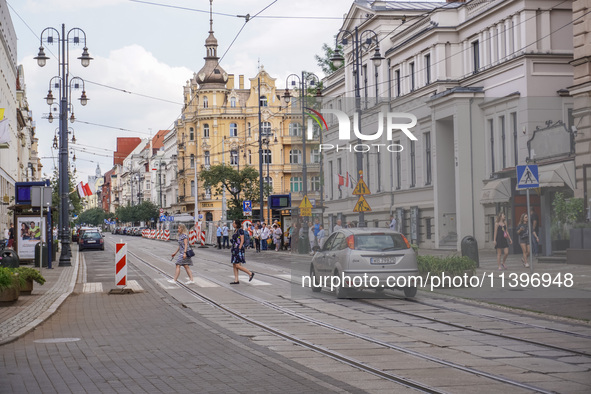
[(506, 234), (190, 252)]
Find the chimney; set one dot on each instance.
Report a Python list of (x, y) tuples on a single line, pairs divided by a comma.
[(230, 83), (241, 82)]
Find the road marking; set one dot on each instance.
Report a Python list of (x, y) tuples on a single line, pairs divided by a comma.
[(96, 287), (200, 282), (254, 282), (135, 286)]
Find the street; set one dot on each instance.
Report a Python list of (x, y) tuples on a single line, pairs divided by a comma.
[(263, 335)]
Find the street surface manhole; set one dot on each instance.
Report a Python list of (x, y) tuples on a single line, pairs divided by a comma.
[(56, 340)]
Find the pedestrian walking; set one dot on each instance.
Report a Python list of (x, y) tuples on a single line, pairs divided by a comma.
[(226, 245), (535, 227), (218, 234), (11, 235), (183, 259), (393, 223), (338, 226), (321, 236), (238, 253), (502, 239), (312, 239), (523, 231), (257, 237)]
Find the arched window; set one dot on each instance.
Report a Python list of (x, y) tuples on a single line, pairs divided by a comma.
[(206, 158), (233, 130), (192, 188), (295, 130), (191, 134), (263, 101), (295, 184), (206, 130), (205, 102), (268, 181), (192, 160), (295, 156), (233, 102)]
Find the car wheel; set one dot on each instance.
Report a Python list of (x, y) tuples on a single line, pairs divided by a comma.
[(315, 289), (341, 292), (103, 248), (410, 291), (81, 248)]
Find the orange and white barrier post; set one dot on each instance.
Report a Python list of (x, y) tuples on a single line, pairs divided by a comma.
[(167, 235), (121, 264)]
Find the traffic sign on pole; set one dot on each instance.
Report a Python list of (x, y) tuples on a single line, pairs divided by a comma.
[(527, 177)]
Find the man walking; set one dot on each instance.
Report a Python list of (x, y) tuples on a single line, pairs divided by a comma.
[(264, 236), (218, 233), (393, 223), (338, 226), (226, 242)]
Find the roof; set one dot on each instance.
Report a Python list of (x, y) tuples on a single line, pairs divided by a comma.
[(158, 140), (404, 5)]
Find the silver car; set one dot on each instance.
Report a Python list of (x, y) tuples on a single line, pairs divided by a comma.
[(362, 258)]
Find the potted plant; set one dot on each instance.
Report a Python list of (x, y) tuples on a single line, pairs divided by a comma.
[(566, 212), (9, 285), (450, 265), (27, 276)]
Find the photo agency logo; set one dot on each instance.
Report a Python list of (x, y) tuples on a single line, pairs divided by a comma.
[(394, 121)]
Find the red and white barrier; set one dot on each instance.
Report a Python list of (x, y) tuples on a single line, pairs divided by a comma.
[(152, 234), (166, 235), (192, 236), (121, 264)]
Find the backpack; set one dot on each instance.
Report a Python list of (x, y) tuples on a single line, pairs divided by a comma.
[(246, 238)]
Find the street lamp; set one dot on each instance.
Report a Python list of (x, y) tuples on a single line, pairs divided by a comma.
[(65, 84), (361, 42), (306, 81), (267, 157)]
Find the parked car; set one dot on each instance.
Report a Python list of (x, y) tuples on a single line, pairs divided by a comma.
[(91, 240), (355, 252)]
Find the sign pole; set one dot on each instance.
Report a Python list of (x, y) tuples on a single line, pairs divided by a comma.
[(41, 190), (531, 259)]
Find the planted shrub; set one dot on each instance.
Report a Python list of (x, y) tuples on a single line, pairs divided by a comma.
[(450, 265), (28, 273), (9, 279)]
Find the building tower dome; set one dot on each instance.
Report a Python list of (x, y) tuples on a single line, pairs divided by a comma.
[(212, 75)]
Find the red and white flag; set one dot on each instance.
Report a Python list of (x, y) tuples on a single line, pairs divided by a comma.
[(84, 190), (340, 180)]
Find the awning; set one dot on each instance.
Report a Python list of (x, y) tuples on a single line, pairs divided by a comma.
[(557, 175), (496, 191)]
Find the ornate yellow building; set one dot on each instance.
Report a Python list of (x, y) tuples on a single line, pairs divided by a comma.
[(220, 124)]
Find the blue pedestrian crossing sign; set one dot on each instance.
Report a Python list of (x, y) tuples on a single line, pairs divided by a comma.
[(163, 218), (527, 177)]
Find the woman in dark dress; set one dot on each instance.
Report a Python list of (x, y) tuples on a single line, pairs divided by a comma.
[(502, 240), (523, 231), (237, 250)]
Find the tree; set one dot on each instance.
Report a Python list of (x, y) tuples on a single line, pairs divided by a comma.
[(94, 216), (242, 185), (324, 61), (143, 212), (55, 197)]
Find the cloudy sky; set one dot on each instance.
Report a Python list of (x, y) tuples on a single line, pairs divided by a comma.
[(145, 51)]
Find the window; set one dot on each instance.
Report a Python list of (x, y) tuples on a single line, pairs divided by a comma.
[(266, 128), (295, 129), (427, 69), (208, 192), (331, 172), (205, 102), (263, 101), (268, 181), (206, 158), (428, 227), (364, 73), (233, 157), (340, 172), (192, 188), (148, 185), (233, 130), (476, 56), (206, 130), (163, 180), (249, 130), (267, 159), (514, 127), (503, 152), (315, 155), (192, 160), (397, 79), (428, 158), (164, 197), (295, 156), (295, 184), (191, 134), (492, 145), (249, 157), (315, 183), (398, 171), (412, 76), (233, 102), (413, 167)]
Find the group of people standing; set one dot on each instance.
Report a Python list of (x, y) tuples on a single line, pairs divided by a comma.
[(502, 239)]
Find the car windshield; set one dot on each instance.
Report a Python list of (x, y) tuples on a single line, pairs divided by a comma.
[(92, 235), (379, 242)]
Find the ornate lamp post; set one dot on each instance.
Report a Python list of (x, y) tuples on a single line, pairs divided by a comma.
[(64, 84), (306, 82), (360, 45)]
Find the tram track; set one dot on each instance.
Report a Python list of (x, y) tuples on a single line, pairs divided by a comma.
[(330, 353)]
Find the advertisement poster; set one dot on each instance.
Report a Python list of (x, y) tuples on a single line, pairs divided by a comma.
[(29, 231)]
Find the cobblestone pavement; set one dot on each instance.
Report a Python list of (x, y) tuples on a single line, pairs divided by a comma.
[(145, 342)]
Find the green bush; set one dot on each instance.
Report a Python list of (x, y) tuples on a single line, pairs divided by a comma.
[(451, 265), (8, 278), (28, 273)]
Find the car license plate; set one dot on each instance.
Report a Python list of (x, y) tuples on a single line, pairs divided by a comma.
[(91, 242), (382, 260)]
